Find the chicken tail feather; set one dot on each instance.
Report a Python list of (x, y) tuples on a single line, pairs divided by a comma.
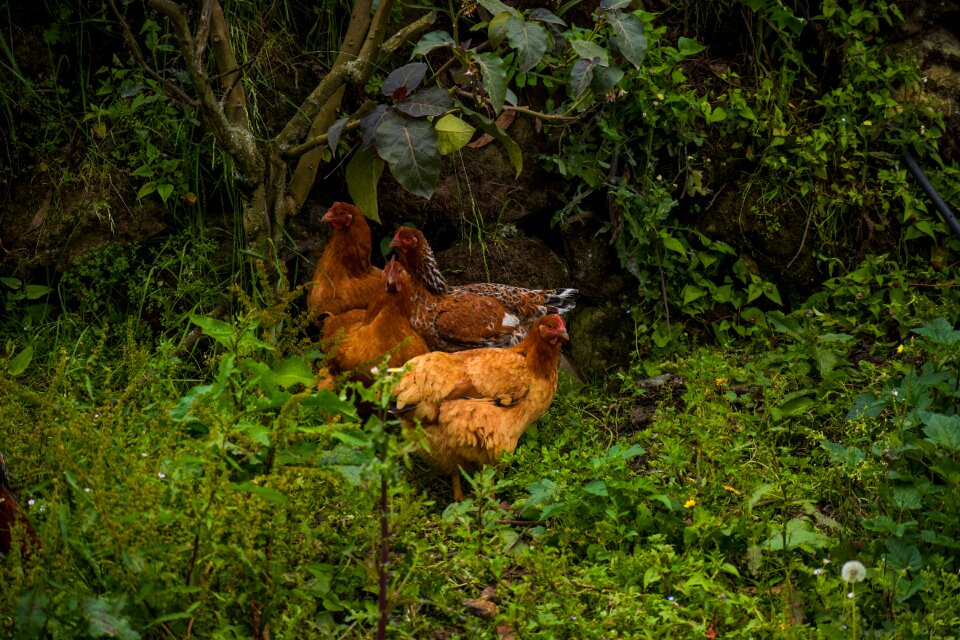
[(561, 300)]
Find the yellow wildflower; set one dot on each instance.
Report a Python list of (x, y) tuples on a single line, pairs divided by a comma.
[(900, 349), (867, 123), (720, 381), (689, 504), (731, 489)]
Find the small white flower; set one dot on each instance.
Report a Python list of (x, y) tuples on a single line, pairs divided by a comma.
[(853, 571), (843, 119), (31, 502), (375, 370), (850, 594), (143, 455), (894, 393), (817, 571), (86, 489), (161, 474)]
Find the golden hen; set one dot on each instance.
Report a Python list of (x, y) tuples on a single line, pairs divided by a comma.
[(527, 305), (344, 279), (475, 405), (367, 335)]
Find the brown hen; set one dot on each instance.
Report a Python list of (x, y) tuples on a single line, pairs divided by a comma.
[(344, 279), (527, 305), (361, 338), (475, 405)]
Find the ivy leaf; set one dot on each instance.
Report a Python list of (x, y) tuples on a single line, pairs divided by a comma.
[(628, 36), (372, 121), (431, 41), (493, 73), (591, 51), (581, 75), (434, 101), (611, 5), (530, 41), (495, 7), (605, 79), (363, 174), (545, 15), (333, 134), (401, 82), (452, 134), (410, 147), (493, 130), (688, 46)]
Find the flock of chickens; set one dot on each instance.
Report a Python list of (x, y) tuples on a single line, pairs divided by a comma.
[(482, 358)]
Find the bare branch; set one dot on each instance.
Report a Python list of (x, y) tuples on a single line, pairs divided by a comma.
[(312, 143), (168, 86), (238, 142), (200, 42), (549, 117)]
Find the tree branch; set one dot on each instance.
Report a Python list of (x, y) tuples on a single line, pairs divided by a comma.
[(234, 97), (549, 117), (239, 143), (312, 143), (168, 86)]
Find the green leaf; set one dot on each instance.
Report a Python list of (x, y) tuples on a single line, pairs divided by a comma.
[(31, 613), (269, 494), (943, 431), (493, 74), (798, 533), (939, 331), (34, 291), (605, 79), (495, 7), (12, 283), (691, 293), (452, 134), (530, 41), (164, 190), (596, 487), (671, 243), (903, 556), (492, 129), (545, 15), (410, 147), (363, 174), (333, 134), (497, 30), (581, 75), (106, 621), (591, 51), (293, 370), (216, 329), (431, 41), (796, 403), (22, 360), (688, 47), (146, 189), (433, 101), (257, 432), (628, 36)]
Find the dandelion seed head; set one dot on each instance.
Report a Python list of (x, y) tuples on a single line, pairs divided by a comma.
[(853, 571)]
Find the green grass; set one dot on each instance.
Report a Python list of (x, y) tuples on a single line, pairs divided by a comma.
[(231, 500)]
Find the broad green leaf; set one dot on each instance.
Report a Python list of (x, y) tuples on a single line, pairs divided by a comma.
[(32, 613), (431, 41), (372, 121), (452, 134), (492, 129), (628, 36), (605, 79), (939, 331), (164, 190), (581, 75), (326, 401), (22, 360), (216, 329), (403, 81), (495, 7), (885, 524), (269, 494), (333, 134), (257, 432), (796, 404), (758, 494), (798, 533), (671, 243), (903, 556), (493, 74), (410, 148), (433, 101), (689, 47), (497, 30), (906, 498), (530, 41), (691, 293), (363, 174), (106, 620), (943, 431), (12, 283), (545, 15), (293, 370), (596, 487), (146, 189), (34, 291), (591, 51)]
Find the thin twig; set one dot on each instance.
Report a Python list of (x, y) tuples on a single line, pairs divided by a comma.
[(550, 117), (313, 143), (803, 239), (168, 86)]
